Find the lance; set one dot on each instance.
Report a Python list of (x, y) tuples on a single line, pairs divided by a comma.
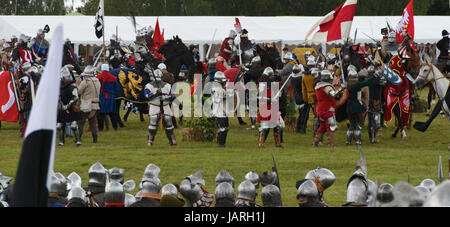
[(16, 90), (209, 48)]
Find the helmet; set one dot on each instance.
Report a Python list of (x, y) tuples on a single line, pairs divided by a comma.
[(65, 74), (429, 184), (129, 199), (357, 190), (444, 32), (440, 196), (117, 174), (331, 56), (256, 60), (423, 190), (88, 71), (224, 176), (77, 195), (192, 192), (162, 66), (58, 184), (247, 190), (268, 72), (306, 189), (158, 75), (311, 63), (151, 185), (392, 37), (268, 178), (150, 30), (232, 34), (271, 196), (151, 171), (288, 56), (224, 194), (352, 74), (169, 189), (325, 76), (141, 32), (406, 195), (114, 193), (97, 175), (253, 177), (325, 177), (385, 194), (219, 76), (196, 178)]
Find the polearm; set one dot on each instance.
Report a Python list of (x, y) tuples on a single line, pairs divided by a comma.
[(209, 48), (440, 173), (449, 167), (277, 182), (282, 87)]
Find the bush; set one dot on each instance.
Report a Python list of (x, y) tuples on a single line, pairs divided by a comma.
[(200, 129)]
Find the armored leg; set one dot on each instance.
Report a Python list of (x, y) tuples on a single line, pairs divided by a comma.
[(152, 128), (60, 128), (333, 123), (277, 131), (263, 133), (169, 130), (349, 135), (76, 132), (357, 134), (317, 138), (222, 125)]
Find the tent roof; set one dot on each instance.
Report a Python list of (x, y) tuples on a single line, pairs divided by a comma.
[(200, 29)]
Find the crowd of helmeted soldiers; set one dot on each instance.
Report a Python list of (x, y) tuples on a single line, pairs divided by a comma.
[(110, 187), (336, 87)]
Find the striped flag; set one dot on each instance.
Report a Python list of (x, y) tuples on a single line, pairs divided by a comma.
[(335, 25), (38, 150), (100, 20)]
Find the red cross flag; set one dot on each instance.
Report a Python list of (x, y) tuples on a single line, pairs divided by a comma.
[(335, 25), (406, 24)]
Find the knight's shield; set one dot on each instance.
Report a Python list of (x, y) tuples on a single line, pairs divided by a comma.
[(391, 76)]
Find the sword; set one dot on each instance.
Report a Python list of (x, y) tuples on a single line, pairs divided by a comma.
[(279, 92), (275, 169)]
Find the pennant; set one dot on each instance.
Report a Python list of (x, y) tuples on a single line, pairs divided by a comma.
[(237, 26), (406, 24), (8, 104), (335, 25), (99, 20), (38, 150)]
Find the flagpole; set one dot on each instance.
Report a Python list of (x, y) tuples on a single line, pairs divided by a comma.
[(104, 46)]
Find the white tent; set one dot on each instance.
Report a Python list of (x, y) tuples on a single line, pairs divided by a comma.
[(200, 29)]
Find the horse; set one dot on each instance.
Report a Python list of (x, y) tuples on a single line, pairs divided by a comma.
[(430, 74), (270, 56), (176, 54)]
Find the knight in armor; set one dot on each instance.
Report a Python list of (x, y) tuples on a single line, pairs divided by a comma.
[(40, 47), (114, 194), (296, 83), (269, 115), (443, 57), (308, 95), (253, 75), (68, 113), (224, 194), (358, 190), (192, 190), (271, 196), (325, 110), (246, 195), (28, 79), (96, 185), (21, 54), (77, 197), (143, 57), (114, 54), (221, 109), (169, 196), (248, 50), (160, 95), (227, 50), (310, 190), (69, 57), (375, 109), (354, 108), (57, 195)]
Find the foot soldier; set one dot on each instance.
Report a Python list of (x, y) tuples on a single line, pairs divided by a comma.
[(160, 95), (271, 196), (246, 195), (310, 190), (375, 105), (308, 94), (96, 185), (68, 113), (221, 109), (269, 115), (326, 106), (57, 195), (225, 196)]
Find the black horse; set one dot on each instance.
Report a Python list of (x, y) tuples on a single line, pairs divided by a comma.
[(270, 56), (176, 54)]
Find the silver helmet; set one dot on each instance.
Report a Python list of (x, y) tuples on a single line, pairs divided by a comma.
[(74, 180), (97, 175), (297, 70), (192, 192), (129, 199), (220, 77), (324, 176), (169, 189), (311, 63), (405, 195), (357, 190), (326, 76), (196, 178), (77, 195), (253, 177), (232, 34), (440, 196), (306, 191), (428, 183), (58, 184), (271, 196), (224, 194), (224, 176), (247, 191), (117, 174), (268, 178), (392, 37), (158, 75), (114, 193), (151, 185), (385, 194), (423, 190), (151, 171), (268, 72)]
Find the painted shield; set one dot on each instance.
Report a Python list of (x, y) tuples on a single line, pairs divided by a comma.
[(391, 76)]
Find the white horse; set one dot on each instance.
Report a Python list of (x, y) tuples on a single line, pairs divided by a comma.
[(429, 73)]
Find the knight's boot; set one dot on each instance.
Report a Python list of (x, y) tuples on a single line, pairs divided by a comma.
[(372, 135), (171, 137), (253, 121), (357, 135), (262, 139), (241, 122), (151, 138), (404, 136), (318, 138), (330, 136), (277, 138), (61, 137), (77, 136), (349, 137)]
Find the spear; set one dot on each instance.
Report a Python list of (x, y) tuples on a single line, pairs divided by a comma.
[(440, 174)]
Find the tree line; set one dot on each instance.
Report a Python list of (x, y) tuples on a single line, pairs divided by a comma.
[(222, 7)]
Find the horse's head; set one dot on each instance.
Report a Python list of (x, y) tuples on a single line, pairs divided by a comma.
[(270, 56), (425, 75), (177, 54), (409, 52)]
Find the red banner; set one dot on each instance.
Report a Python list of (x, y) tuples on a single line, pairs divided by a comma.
[(406, 24), (8, 106)]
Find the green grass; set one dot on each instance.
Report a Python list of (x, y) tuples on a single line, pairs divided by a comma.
[(127, 148)]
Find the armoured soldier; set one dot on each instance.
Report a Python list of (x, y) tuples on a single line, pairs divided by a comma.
[(375, 105), (224, 176), (151, 189), (40, 47), (169, 196), (308, 94), (227, 50), (77, 197), (58, 191), (246, 195), (439, 197), (253, 177), (406, 195), (385, 195), (357, 190), (21, 54), (268, 178), (115, 54), (326, 105), (143, 56), (68, 113), (224, 194), (247, 47), (117, 174), (308, 194), (192, 190), (160, 95), (271, 196), (221, 109), (114, 194), (252, 75), (269, 115), (96, 185)]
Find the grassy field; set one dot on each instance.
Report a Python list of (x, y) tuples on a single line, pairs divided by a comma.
[(126, 148)]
